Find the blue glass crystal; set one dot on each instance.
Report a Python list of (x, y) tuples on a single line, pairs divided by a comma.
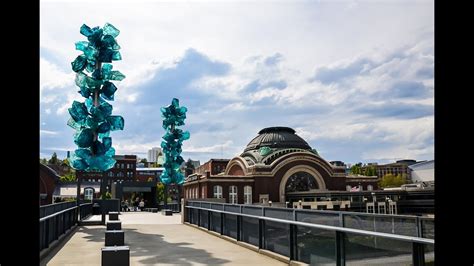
[(74, 124), (116, 122), (110, 152), (104, 135), (109, 29), (108, 90), (105, 55), (83, 153), (79, 63), (109, 42), (104, 127), (101, 112), (85, 30), (85, 92), (116, 75), (116, 56), (78, 111), (85, 138), (98, 148), (79, 164), (107, 142)]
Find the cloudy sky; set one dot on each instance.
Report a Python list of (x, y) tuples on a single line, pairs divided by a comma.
[(353, 78)]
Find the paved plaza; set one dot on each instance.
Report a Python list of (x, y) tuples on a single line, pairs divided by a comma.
[(155, 239)]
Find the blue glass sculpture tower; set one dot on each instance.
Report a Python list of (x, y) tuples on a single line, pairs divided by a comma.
[(93, 119), (173, 116)]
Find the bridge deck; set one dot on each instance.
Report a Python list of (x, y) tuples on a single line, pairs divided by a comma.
[(155, 239)]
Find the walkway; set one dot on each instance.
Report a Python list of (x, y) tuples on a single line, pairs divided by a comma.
[(155, 239)]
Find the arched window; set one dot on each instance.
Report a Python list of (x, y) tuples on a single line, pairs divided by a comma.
[(218, 192), (233, 194), (120, 174), (348, 188), (370, 187), (248, 195), (300, 181), (88, 193)]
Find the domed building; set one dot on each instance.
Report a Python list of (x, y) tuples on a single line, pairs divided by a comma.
[(274, 165)]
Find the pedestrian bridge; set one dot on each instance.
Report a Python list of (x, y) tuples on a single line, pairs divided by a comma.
[(155, 239), (219, 233)]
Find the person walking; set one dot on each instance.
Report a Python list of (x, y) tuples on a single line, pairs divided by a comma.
[(141, 205)]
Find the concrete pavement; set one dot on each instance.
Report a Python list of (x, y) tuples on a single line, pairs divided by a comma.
[(155, 239)]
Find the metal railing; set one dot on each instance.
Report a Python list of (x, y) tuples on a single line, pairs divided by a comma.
[(175, 207), (51, 227), (85, 210), (49, 209), (320, 240)]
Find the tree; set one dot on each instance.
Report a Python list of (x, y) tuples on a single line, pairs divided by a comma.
[(44, 161), (370, 170), (356, 169), (54, 159), (143, 160), (390, 180), (160, 192), (68, 177)]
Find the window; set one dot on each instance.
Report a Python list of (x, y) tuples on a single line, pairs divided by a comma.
[(218, 192), (88, 193), (370, 187), (248, 195), (348, 188), (233, 194), (120, 174), (111, 174), (203, 194)]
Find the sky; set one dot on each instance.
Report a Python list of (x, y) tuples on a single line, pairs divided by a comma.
[(355, 79)]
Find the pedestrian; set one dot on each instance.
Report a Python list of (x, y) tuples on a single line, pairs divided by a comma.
[(142, 205)]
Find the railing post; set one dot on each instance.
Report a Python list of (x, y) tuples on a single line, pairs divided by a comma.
[(418, 227), (222, 223), (293, 242), (209, 217), (418, 254), (261, 233), (340, 249), (46, 234), (239, 219), (199, 217)]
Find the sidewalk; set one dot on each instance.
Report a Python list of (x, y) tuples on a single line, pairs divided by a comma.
[(155, 239)]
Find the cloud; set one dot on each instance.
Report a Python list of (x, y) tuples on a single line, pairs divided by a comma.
[(354, 89)]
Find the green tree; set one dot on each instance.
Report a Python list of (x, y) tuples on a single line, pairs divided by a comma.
[(143, 160), (356, 169), (44, 161), (370, 170), (160, 192), (68, 177), (54, 159), (390, 180)]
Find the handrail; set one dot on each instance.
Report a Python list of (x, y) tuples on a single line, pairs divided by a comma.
[(320, 211), (55, 214), (327, 227)]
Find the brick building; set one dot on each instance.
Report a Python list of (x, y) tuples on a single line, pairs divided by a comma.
[(48, 179), (274, 164)]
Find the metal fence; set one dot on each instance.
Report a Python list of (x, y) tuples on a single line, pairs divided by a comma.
[(49, 209), (175, 207), (51, 227), (321, 237)]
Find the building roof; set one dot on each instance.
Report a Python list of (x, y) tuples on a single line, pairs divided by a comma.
[(272, 143), (277, 137), (423, 165)]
